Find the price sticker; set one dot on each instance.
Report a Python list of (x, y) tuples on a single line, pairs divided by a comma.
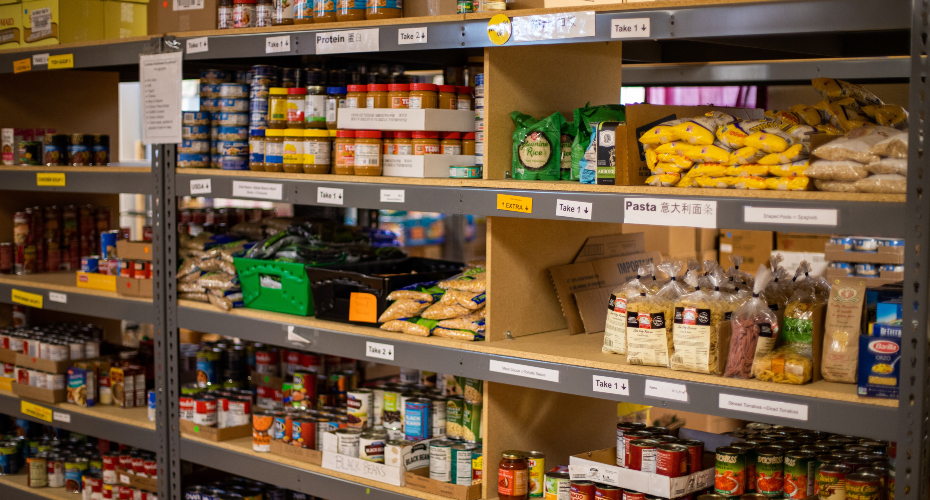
[(56, 179), (275, 44), (35, 411), (630, 28), (195, 45), (26, 298), (407, 36), (22, 65), (201, 186), (363, 307), (510, 203), (61, 61), (380, 351)]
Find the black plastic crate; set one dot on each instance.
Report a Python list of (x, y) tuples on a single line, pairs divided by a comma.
[(333, 288)]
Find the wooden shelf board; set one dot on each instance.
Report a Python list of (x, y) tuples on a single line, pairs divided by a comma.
[(113, 169), (244, 446), (319, 27), (619, 7), (137, 417), (62, 281), (557, 186), (18, 481)]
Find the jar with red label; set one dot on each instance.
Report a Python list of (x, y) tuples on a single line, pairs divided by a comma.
[(513, 476)]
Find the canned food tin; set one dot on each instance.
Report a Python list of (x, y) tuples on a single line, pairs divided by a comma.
[(848, 268), (371, 446), (262, 422), (110, 462), (151, 467), (195, 118), (209, 90), (226, 119), (607, 492), (800, 473), (536, 470), (359, 403), (234, 162), (883, 473), (890, 242), (695, 453), (831, 481), (455, 407), (391, 409), (628, 437), (891, 268), (232, 105), (75, 467), (730, 471), (867, 270), (438, 416), (259, 105), (622, 429), (37, 470), (347, 442), (749, 450), (205, 410), (637, 495), (465, 172), (188, 160), (194, 146), (462, 473), (238, 411), (471, 422), (641, 455), (259, 92), (845, 242), (440, 461), (9, 459), (280, 428), (417, 421), (863, 486), (582, 490), (770, 470), (56, 471), (862, 244), (557, 485), (197, 132), (671, 460), (233, 90)]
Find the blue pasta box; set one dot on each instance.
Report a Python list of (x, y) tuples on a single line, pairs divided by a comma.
[(879, 369), (81, 386)]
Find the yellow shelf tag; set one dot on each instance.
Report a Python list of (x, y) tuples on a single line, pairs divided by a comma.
[(22, 65), (523, 204), (39, 412), (50, 179), (61, 61), (26, 298)]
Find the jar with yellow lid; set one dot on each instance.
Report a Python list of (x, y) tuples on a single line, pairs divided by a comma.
[(423, 96), (377, 96), (332, 156), (357, 97), (402, 143), (324, 11), (274, 150), (317, 151), (425, 143), (368, 152), (464, 97), (468, 143), (277, 107), (451, 143), (399, 95), (350, 10), (296, 107), (344, 146), (384, 9), (447, 97), (294, 151)]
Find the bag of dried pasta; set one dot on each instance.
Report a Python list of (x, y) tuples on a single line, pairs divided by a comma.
[(615, 327), (754, 330), (649, 330), (695, 334), (672, 289), (789, 364), (775, 292), (841, 330)]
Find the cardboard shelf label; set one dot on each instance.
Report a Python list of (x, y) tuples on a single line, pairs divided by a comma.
[(407, 36), (800, 216), (392, 196), (201, 186), (61, 298), (763, 407), (329, 196), (342, 42), (510, 203), (275, 44), (26, 298), (56, 179), (60, 416), (666, 390), (380, 351), (553, 26), (574, 209), (670, 212), (35, 411), (609, 385), (524, 371), (61, 61), (22, 65), (195, 45), (263, 190), (40, 59), (630, 28)]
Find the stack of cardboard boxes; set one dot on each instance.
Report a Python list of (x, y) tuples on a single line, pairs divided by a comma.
[(27, 23)]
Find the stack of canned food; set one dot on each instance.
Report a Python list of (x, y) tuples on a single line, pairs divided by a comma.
[(53, 342), (107, 262), (47, 239), (653, 449), (55, 458), (45, 147), (242, 488), (865, 245), (479, 121)]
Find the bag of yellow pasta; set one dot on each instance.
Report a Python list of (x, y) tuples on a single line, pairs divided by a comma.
[(711, 182), (838, 89), (664, 180), (745, 156), (748, 182), (686, 182), (799, 183), (615, 327), (792, 154), (679, 160), (707, 170), (770, 140), (790, 364), (666, 168), (888, 115), (734, 134), (707, 154), (829, 129), (652, 158), (748, 171), (783, 117), (695, 333), (674, 148), (789, 169), (662, 133), (701, 131), (846, 118)]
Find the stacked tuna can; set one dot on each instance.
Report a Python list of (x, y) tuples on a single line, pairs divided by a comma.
[(479, 120), (262, 78)]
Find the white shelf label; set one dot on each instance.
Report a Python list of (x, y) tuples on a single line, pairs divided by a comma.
[(188, 4), (574, 209), (160, 80), (201, 186), (292, 336), (553, 26), (524, 371), (630, 28), (61, 298), (61, 417), (610, 385), (195, 45), (763, 407), (329, 196), (407, 36), (666, 390), (123, 478), (341, 42), (392, 195), (801, 216), (275, 44), (670, 212), (380, 351), (263, 190), (38, 59)]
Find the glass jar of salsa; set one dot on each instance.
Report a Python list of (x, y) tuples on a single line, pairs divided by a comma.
[(512, 476)]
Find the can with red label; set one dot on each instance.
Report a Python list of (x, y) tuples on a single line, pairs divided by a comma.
[(629, 437), (93, 483), (266, 361), (138, 465), (125, 493), (633, 495), (695, 454), (624, 428), (239, 411), (607, 492), (205, 410), (582, 490), (125, 460), (186, 408), (311, 362), (642, 455), (671, 460), (110, 462), (151, 467)]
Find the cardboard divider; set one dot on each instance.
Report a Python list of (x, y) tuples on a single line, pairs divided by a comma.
[(883, 278), (37, 394), (134, 287), (423, 165), (307, 455), (884, 255), (45, 365), (8, 356), (143, 483), (213, 433), (598, 466), (134, 250), (419, 480)]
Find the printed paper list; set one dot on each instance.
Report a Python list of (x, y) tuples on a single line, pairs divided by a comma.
[(160, 75)]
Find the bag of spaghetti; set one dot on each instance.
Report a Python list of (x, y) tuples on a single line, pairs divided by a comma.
[(792, 363), (649, 321), (776, 294), (695, 329), (615, 327), (841, 330), (754, 330)]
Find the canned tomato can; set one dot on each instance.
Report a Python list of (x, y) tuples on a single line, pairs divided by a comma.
[(800, 475), (770, 471), (205, 410), (557, 485), (641, 455), (831, 481), (638, 495), (622, 429), (347, 442), (417, 422), (582, 490), (371, 446), (695, 453), (628, 437), (359, 403), (671, 460), (536, 470), (730, 471), (462, 463), (863, 486), (37, 470), (749, 450), (607, 492), (440, 461)]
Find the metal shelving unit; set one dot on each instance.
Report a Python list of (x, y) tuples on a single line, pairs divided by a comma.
[(108, 180), (74, 300)]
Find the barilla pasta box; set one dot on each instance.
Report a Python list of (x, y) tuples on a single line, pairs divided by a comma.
[(11, 27), (879, 362), (81, 386)]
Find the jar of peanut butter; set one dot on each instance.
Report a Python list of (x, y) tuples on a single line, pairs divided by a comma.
[(344, 148), (368, 152)]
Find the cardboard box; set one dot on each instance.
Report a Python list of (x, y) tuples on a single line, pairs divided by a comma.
[(671, 242), (419, 480), (611, 245), (143, 483), (11, 26), (134, 250), (213, 433), (36, 394), (599, 466), (793, 259), (134, 287), (8, 356), (44, 365), (6, 384), (706, 239), (696, 421), (423, 165), (438, 120), (605, 274), (61, 21), (162, 18), (800, 242), (125, 18), (754, 246), (96, 281), (883, 278), (423, 8), (884, 255), (305, 455)]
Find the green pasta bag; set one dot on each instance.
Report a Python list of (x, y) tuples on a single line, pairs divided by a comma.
[(536, 147), (565, 161), (583, 118)]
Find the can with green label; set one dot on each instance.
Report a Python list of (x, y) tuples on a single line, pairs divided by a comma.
[(455, 409), (471, 422), (800, 474), (462, 463), (730, 471), (770, 471), (474, 390)]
